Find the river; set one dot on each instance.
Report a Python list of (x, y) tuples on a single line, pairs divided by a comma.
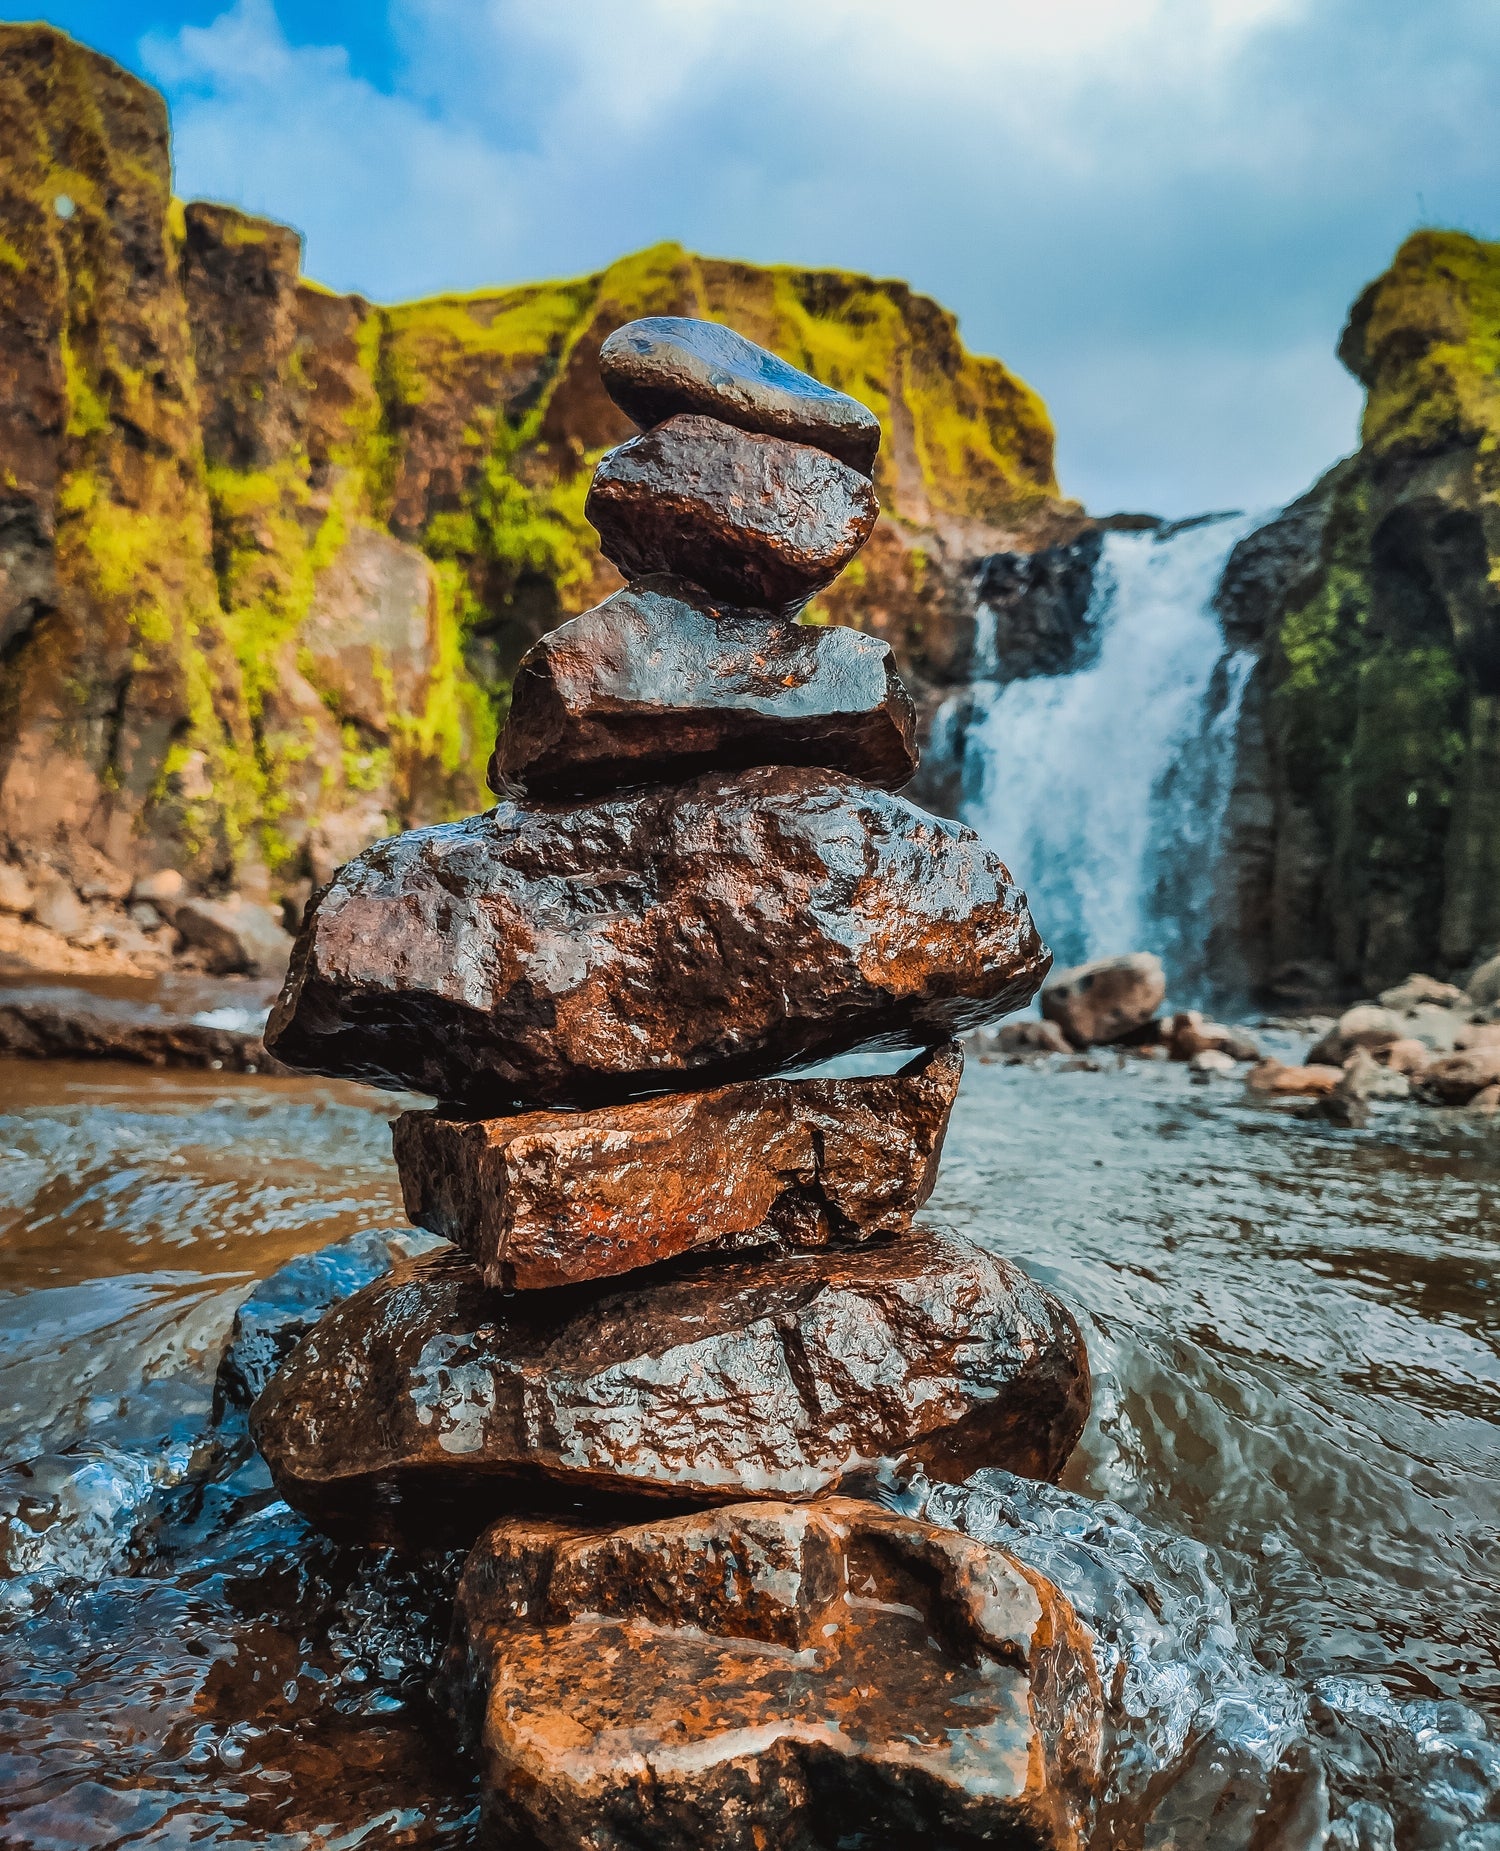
[(1292, 1330)]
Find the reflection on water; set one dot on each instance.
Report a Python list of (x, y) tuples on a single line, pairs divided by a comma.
[(1292, 1330)]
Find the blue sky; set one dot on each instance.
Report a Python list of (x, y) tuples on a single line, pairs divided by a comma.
[(1157, 211)]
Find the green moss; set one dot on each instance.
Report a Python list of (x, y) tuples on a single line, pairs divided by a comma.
[(1425, 339), (10, 257)]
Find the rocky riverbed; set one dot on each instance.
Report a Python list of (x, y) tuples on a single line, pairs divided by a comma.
[(1294, 1367)]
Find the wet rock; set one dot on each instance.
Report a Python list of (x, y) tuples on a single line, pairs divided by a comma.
[(1486, 1101), (1208, 1063), (283, 1308), (162, 891), (1276, 1080), (549, 1198), (1454, 1079), (1477, 1035), (57, 907), (662, 365), (755, 520), (1406, 1056), (1189, 1036), (659, 682), (1037, 605), (58, 1022), (17, 895), (1366, 1078), (1366, 1025), (667, 937), (1031, 1038), (1483, 988), (429, 1402), (780, 1674), (234, 935), (1105, 1000), (1418, 989)]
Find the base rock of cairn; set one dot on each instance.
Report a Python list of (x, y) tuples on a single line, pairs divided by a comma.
[(683, 1285), (774, 1674), (428, 1401)]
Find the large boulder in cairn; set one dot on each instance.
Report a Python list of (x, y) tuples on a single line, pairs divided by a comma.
[(660, 682), (777, 1674), (755, 520), (429, 1402), (668, 937), (665, 364), (1106, 1000), (553, 1198)]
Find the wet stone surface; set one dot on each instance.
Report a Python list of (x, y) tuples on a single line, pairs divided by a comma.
[(282, 1309), (1106, 1000), (667, 937), (552, 1198), (755, 520), (777, 1674), (665, 364), (659, 682), (430, 1402)]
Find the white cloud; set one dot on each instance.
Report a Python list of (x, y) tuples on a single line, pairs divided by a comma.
[(1157, 210)]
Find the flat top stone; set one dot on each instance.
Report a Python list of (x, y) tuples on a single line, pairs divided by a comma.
[(430, 1401), (665, 364), (756, 520), (550, 1198), (672, 936), (662, 681)]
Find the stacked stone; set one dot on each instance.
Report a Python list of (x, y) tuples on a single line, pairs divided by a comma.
[(686, 1306)]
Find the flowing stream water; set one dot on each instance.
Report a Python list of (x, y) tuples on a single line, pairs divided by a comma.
[(1105, 789), (1296, 1364)]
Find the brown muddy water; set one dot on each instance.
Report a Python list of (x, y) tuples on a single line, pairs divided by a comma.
[(1292, 1328)]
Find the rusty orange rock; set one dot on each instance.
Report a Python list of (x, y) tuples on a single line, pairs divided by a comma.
[(776, 1674), (551, 1198)]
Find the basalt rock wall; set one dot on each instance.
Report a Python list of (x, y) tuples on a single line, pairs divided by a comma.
[(1364, 831), (269, 555)]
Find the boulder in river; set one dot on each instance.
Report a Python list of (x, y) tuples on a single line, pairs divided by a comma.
[(666, 937), (773, 1674), (660, 682), (1190, 1035), (429, 1402), (1105, 1000), (755, 520), (665, 364), (1275, 1080), (1454, 1079), (1483, 988), (233, 934), (1418, 989), (551, 1198)]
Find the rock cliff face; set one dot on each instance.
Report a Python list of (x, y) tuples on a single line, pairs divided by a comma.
[(1365, 828), (269, 555)]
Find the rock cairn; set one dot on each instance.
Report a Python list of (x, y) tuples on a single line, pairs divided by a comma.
[(686, 1310)]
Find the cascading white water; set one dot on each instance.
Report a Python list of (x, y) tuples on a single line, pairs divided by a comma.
[(1105, 789)]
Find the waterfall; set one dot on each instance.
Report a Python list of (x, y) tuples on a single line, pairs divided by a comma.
[(1105, 790)]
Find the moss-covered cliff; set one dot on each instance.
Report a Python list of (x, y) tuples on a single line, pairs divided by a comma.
[(269, 555), (1381, 723)]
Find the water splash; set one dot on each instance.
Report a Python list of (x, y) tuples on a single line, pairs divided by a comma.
[(1105, 789)]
